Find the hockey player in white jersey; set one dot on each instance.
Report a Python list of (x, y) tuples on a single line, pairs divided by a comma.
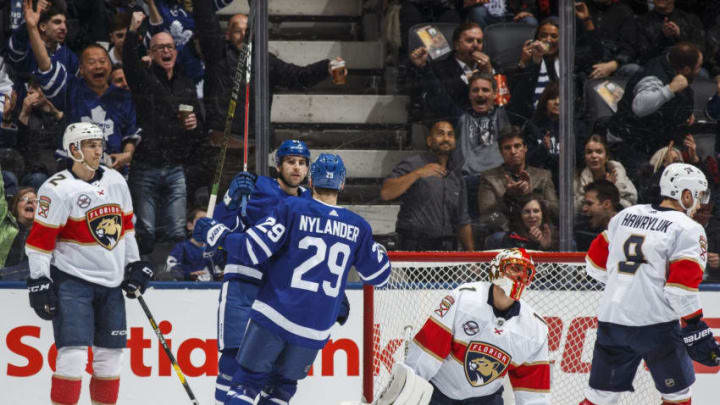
[(81, 250), (651, 259), (482, 332)]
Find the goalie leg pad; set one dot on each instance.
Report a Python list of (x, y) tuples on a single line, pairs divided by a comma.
[(406, 388)]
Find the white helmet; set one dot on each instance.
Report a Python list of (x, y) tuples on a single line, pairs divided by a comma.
[(512, 270), (678, 177), (78, 132)]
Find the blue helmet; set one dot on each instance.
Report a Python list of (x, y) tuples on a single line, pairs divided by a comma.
[(327, 171), (291, 148)]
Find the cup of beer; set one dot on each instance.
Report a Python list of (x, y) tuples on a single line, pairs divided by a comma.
[(184, 112), (339, 75)]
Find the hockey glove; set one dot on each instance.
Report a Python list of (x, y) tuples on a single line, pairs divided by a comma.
[(137, 277), (344, 310), (241, 186), (701, 344), (43, 299), (211, 232)]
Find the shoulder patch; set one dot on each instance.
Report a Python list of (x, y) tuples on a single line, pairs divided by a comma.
[(540, 318), (444, 306)]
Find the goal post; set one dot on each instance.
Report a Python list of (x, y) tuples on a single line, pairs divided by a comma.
[(561, 293)]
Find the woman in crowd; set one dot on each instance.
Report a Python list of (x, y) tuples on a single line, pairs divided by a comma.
[(530, 228), (599, 166), (23, 207)]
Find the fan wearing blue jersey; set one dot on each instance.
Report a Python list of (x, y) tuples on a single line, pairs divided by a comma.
[(308, 245), (241, 283)]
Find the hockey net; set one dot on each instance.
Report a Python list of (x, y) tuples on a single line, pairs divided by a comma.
[(562, 293)]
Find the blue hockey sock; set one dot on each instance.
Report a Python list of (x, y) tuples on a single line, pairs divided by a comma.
[(241, 396), (227, 366)]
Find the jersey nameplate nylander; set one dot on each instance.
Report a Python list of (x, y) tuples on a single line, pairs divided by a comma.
[(484, 363), (105, 224)]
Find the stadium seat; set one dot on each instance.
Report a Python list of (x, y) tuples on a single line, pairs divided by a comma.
[(504, 42)]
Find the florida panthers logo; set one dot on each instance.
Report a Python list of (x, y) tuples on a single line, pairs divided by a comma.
[(484, 363), (105, 224)]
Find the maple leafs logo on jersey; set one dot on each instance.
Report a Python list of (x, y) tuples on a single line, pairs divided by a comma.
[(484, 363), (180, 35), (98, 116), (105, 224)]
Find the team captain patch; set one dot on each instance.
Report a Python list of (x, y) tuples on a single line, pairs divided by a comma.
[(105, 223), (484, 363)]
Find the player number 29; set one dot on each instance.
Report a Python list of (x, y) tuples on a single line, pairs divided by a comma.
[(337, 258), (276, 230)]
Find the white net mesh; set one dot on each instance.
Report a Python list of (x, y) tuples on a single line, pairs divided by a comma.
[(562, 293)]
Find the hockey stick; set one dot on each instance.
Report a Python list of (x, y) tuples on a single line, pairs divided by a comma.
[(242, 71), (161, 338)]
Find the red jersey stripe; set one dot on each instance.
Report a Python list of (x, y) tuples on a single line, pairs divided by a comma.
[(598, 251), (531, 377), (435, 338), (685, 274), (458, 350), (42, 236)]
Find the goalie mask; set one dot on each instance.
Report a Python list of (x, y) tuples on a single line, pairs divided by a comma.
[(512, 270)]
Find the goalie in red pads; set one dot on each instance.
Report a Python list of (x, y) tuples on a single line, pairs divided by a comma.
[(651, 259), (482, 332)]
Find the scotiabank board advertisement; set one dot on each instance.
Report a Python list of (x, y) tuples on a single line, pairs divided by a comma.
[(187, 318)]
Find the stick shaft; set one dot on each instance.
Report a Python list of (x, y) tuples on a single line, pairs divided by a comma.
[(168, 352)]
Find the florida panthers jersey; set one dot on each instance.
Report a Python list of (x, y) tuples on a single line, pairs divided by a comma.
[(83, 228), (467, 347), (309, 247), (262, 201), (651, 260)]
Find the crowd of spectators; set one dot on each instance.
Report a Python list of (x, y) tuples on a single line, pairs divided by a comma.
[(156, 75), (509, 144)]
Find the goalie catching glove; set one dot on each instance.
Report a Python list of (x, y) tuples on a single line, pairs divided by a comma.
[(405, 388), (700, 342)]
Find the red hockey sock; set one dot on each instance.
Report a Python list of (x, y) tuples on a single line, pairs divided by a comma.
[(64, 390), (586, 402), (685, 402), (104, 390)]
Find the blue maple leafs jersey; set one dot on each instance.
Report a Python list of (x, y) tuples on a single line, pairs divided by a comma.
[(262, 201), (309, 247), (264, 198)]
